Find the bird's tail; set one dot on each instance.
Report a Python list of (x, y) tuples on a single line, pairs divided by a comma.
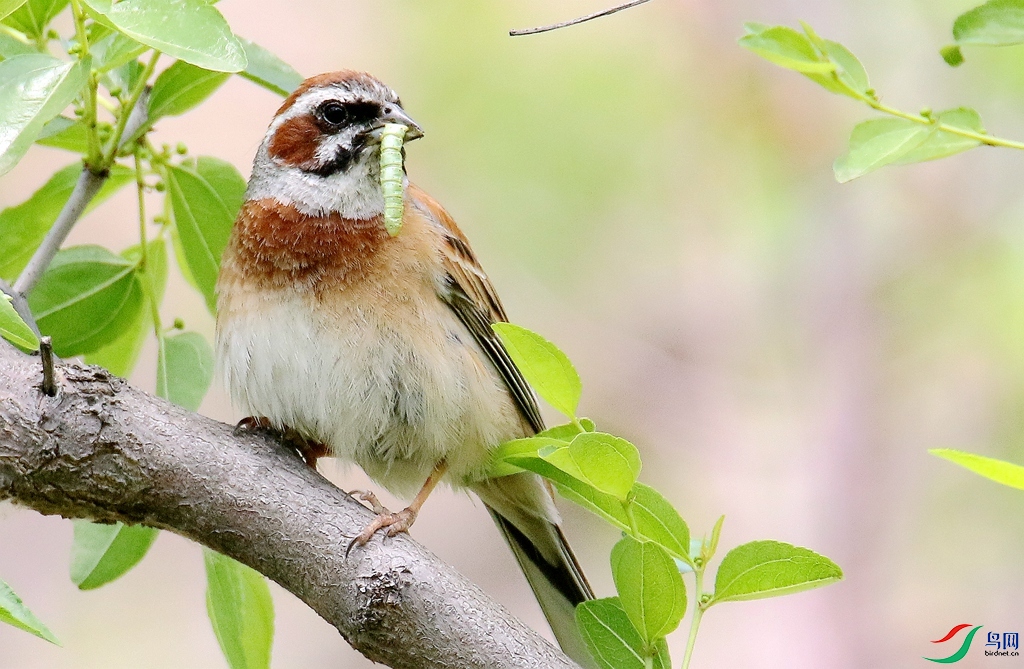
[(547, 562)]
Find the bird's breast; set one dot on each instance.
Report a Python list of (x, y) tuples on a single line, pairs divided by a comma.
[(379, 369)]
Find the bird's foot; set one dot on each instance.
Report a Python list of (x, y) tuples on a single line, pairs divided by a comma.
[(392, 523), (252, 424), (368, 496), (310, 450)]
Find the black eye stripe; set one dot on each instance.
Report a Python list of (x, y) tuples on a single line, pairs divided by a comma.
[(335, 115), (360, 111)]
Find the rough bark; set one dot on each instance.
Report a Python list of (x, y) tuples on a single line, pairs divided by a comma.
[(104, 450)]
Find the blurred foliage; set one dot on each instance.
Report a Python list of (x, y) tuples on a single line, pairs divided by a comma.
[(93, 301), (787, 344)]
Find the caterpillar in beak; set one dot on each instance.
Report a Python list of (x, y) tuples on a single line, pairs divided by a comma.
[(392, 175)]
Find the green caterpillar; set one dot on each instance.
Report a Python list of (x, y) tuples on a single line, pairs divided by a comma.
[(391, 175)]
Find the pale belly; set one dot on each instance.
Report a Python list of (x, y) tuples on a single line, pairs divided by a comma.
[(396, 391)]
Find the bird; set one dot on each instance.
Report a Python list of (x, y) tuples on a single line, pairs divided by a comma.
[(378, 349)]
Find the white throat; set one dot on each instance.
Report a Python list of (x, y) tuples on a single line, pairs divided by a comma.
[(354, 193)]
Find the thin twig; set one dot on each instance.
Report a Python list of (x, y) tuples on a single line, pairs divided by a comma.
[(20, 305), (137, 119), (86, 188), (89, 183), (46, 354), (581, 19)]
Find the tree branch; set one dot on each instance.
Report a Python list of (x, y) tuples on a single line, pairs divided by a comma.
[(572, 22), (103, 450)]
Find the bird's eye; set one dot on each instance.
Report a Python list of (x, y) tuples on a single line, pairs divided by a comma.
[(333, 113)]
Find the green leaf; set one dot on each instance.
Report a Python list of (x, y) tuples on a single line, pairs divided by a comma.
[(849, 70), (8, 6), (100, 7), (241, 610), (568, 431), (103, 553), (268, 70), (184, 369), (604, 505), (13, 328), (560, 435), (23, 226), (607, 463), (86, 299), (116, 50), (573, 489), (708, 548), (939, 143), (33, 89), (999, 471), (528, 446), (848, 77), (769, 569), (14, 612), (11, 45), (877, 143), (96, 10), (34, 16), (63, 133), (995, 23), (125, 77), (181, 87), (952, 54), (189, 30), (205, 202), (829, 64), (225, 180), (544, 366), (611, 638), (120, 355), (787, 48), (179, 255), (650, 587), (657, 520)]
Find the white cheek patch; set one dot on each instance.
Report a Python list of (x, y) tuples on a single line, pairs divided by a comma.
[(354, 193), (329, 145)]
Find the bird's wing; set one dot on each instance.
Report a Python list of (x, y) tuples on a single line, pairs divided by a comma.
[(471, 296), (521, 504)]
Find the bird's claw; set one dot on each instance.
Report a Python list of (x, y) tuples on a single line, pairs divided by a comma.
[(367, 496), (309, 450), (394, 522), (251, 424)]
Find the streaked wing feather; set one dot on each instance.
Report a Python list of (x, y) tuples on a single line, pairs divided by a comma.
[(473, 299)]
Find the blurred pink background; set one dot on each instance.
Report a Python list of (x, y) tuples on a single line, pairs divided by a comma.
[(658, 201)]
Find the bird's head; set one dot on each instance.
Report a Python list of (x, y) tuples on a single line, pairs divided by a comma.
[(320, 154)]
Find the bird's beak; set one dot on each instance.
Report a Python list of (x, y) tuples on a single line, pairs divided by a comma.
[(395, 114)]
